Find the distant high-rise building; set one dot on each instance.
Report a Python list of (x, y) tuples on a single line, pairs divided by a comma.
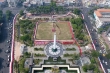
[(12, 3)]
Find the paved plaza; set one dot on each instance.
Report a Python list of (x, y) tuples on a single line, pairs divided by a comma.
[(50, 51)]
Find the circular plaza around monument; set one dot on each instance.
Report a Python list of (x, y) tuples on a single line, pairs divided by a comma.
[(51, 52)]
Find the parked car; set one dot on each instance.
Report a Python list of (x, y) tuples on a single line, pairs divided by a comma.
[(8, 59), (8, 46), (8, 65), (7, 51), (8, 56), (106, 63)]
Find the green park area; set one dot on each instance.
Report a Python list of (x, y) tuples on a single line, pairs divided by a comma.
[(44, 31), (24, 31), (79, 30)]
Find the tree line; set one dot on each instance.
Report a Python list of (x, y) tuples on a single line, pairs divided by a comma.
[(26, 31), (77, 24), (8, 15), (46, 9)]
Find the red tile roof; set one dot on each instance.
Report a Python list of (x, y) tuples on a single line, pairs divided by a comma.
[(98, 12)]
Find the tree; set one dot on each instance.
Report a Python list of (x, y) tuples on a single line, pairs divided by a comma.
[(78, 21), (77, 11), (85, 68), (1, 16), (21, 64), (8, 14), (75, 56), (107, 55), (93, 60), (91, 12), (36, 61), (55, 69), (81, 36), (53, 4), (26, 54), (91, 67), (21, 13), (100, 30), (94, 53), (25, 37), (96, 70), (26, 70), (66, 19), (73, 21)]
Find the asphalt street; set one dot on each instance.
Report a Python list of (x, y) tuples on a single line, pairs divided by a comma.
[(94, 37), (14, 10), (5, 40), (4, 45)]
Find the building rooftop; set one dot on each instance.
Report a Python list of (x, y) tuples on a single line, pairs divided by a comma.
[(99, 12), (105, 19), (2, 0)]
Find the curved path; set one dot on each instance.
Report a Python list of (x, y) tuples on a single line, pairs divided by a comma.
[(12, 47)]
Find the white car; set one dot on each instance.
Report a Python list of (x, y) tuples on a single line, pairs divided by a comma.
[(8, 46), (7, 41), (7, 51), (8, 59), (103, 61), (8, 56), (106, 63)]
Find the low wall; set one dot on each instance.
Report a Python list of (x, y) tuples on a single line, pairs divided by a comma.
[(12, 47), (44, 42), (67, 66)]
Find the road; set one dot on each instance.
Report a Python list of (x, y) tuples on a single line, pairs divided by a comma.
[(5, 36), (4, 45), (94, 37)]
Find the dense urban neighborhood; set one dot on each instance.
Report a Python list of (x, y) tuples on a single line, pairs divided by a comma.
[(54, 36)]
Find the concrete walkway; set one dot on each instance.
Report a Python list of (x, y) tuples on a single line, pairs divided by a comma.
[(31, 49), (17, 52)]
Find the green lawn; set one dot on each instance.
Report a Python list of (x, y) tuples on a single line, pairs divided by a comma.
[(44, 31)]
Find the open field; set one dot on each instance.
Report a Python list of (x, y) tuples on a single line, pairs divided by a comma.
[(44, 31)]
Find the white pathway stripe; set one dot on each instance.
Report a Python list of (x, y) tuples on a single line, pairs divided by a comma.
[(93, 45), (12, 47), (78, 71)]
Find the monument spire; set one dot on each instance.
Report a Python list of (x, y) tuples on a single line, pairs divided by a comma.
[(54, 43)]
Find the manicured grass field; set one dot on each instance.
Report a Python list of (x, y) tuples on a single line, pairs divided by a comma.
[(44, 31)]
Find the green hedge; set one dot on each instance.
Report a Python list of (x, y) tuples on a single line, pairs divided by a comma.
[(39, 55), (73, 49), (40, 49)]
